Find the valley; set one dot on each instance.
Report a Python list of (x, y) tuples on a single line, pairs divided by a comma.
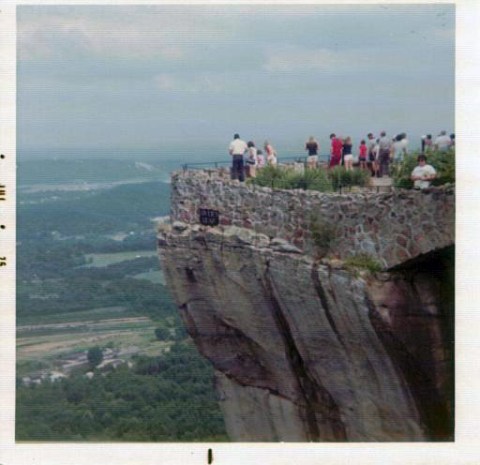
[(88, 279)]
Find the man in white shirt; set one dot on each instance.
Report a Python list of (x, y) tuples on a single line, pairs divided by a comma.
[(399, 147), (442, 142), (236, 149), (422, 174)]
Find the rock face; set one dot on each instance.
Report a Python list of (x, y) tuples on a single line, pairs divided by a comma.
[(307, 350)]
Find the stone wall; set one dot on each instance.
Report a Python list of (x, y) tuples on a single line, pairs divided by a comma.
[(392, 227)]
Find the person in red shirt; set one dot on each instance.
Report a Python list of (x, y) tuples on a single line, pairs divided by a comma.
[(362, 155), (335, 151)]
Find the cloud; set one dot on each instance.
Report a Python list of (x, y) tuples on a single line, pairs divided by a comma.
[(293, 59), (191, 83), (119, 32)]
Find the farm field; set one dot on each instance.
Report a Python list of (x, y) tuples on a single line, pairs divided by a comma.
[(152, 276), (62, 346), (100, 260)]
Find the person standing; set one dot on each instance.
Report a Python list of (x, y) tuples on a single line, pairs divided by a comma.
[(442, 142), (427, 143), (347, 154), (362, 154), (399, 147), (403, 145), (260, 159), (312, 147), (271, 154), (385, 144), (252, 159), (452, 140), (372, 163), (422, 174), (336, 151), (236, 149)]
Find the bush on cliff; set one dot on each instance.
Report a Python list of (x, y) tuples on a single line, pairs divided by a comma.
[(319, 179), (341, 178), (443, 162), (284, 178), (323, 235), (363, 260)]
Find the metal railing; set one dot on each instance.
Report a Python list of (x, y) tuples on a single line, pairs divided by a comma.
[(322, 163), (227, 163)]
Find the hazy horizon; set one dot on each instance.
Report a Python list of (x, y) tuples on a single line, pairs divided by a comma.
[(152, 77)]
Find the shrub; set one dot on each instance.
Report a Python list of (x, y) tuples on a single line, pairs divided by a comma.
[(359, 177), (318, 179), (341, 178), (271, 176), (323, 235), (443, 162), (162, 334), (363, 260), (94, 356)]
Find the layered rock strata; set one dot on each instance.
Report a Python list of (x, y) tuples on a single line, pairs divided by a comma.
[(306, 350)]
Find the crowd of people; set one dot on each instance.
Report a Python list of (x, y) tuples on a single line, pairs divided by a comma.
[(376, 154), (246, 157)]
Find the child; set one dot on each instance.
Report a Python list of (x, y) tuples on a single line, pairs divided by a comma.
[(260, 159), (362, 155)]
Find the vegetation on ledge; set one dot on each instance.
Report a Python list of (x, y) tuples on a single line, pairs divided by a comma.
[(323, 234), (363, 261), (318, 179), (443, 162)]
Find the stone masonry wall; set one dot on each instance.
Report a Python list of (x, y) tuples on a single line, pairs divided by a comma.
[(392, 227)]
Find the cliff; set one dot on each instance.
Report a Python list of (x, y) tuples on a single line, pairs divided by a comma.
[(310, 349)]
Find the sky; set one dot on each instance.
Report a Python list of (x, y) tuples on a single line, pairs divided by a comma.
[(106, 77)]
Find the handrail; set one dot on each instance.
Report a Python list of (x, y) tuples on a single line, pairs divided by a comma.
[(216, 164)]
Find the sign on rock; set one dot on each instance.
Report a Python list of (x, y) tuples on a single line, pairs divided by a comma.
[(209, 217)]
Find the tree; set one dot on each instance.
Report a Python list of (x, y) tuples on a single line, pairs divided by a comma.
[(162, 333), (94, 356)]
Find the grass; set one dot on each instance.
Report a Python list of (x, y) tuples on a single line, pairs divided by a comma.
[(341, 178), (155, 277), (319, 179), (363, 261), (95, 314), (100, 260), (83, 327), (323, 235)]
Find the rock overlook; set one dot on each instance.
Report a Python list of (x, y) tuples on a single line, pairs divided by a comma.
[(308, 348)]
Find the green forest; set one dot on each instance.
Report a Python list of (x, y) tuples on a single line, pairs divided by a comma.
[(167, 398), (163, 389)]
